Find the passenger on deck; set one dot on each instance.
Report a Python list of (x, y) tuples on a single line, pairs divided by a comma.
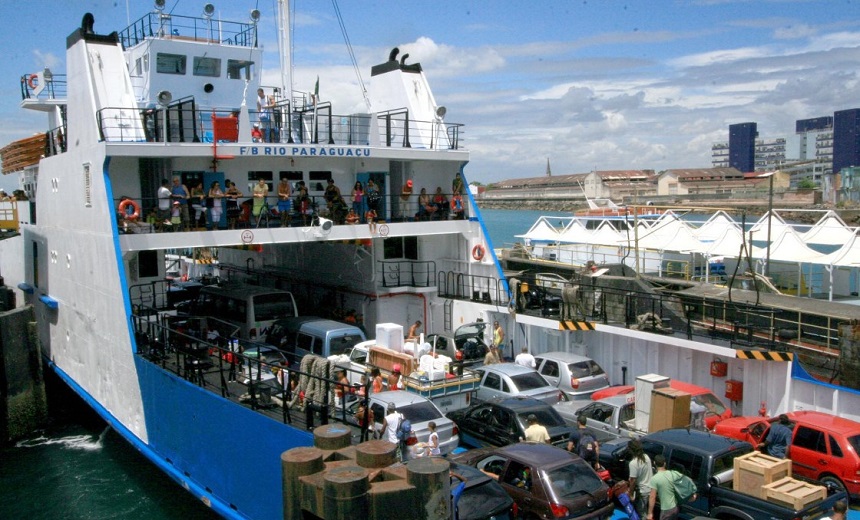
[(164, 202), (370, 217), (233, 210), (197, 196), (179, 193), (412, 335), (285, 203), (405, 205), (256, 134), (440, 202), (425, 208), (394, 379), (376, 382), (261, 191), (215, 204), (457, 185), (331, 195), (357, 197), (352, 217)]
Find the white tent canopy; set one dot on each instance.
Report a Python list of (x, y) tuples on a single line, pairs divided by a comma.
[(829, 230)]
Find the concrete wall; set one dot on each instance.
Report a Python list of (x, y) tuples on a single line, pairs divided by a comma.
[(23, 406)]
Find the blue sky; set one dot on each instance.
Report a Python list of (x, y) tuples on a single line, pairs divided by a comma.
[(587, 84)]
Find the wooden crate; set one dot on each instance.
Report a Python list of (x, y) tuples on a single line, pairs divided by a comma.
[(794, 493), (670, 408), (755, 470)]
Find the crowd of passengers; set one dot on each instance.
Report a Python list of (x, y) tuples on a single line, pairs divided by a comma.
[(179, 208)]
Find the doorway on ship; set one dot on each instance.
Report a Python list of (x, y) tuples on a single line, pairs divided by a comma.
[(381, 204), (509, 348)]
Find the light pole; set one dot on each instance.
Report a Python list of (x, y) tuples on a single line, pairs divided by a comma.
[(769, 218)]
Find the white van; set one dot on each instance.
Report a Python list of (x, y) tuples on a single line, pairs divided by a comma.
[(252, 308)]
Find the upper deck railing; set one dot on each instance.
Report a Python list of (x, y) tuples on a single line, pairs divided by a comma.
[(171, 26)]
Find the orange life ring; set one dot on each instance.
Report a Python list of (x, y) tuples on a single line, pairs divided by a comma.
[(31, 81), (125, 204), (478, 252)]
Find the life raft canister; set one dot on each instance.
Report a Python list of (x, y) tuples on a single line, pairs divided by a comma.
[(478, 252)]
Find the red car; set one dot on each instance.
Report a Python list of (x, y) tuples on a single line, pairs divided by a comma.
[(700, 395), (823, 447)]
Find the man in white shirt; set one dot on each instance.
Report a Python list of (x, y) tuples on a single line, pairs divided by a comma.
[(525, 359), (164, 202), (390, 425)]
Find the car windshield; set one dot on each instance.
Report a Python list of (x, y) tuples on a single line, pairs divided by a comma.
[(420, 412), (727, 462), (473, 329), (340, 344), (529, 381), (710, 401), (584, 369), (574, 479), (545, 417)]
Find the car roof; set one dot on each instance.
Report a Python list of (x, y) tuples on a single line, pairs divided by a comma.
[(826, 421), (398, 397), (537, 453), (696, 441), (616, 400), (518, 403), (564, 357), (509, 369)]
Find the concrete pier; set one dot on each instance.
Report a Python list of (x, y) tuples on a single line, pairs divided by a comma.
[(23, 402)]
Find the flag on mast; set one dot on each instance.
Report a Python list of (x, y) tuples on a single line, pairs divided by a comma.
[(317, 90)]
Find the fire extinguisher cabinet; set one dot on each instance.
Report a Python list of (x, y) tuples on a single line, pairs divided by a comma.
[(719, 368), (734, 390)]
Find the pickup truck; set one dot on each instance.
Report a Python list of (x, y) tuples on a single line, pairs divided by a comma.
[(708, 459), (446, 390), (607, 418)]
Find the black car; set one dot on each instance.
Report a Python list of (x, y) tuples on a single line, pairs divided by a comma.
[(482, 497), (544, 481), (502, 421)]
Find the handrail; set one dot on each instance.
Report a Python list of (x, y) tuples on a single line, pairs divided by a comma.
[(407, 273)]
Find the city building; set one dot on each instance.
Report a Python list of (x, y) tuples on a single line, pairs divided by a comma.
[(846, 139), (742, 138)]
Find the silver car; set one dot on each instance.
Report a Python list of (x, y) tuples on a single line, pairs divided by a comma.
[(575, 375), (419, 410), (510, 379)]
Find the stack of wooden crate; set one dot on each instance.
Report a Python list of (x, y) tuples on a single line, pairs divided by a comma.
[(793, 493), (755, 470)]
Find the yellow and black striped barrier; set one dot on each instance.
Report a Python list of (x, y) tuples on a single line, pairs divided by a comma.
[(575, 325), (764, 355)]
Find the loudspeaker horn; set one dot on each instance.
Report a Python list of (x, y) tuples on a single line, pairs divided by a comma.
[(208, 10), (164, 97)]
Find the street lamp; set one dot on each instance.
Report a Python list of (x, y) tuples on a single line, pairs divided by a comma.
[(769, 218)]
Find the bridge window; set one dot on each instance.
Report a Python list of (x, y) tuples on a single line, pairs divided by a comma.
[(240, 69), (210, 67), (170, 63)]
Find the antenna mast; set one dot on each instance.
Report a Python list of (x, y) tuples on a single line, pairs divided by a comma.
[(285, 48)]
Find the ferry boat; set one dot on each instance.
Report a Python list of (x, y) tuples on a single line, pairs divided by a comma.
[(174, 98)]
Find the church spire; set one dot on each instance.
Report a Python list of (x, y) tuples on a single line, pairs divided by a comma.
[(548, 170)]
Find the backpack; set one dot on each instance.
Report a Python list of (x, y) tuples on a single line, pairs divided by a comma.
[(683, 486), (404, 429)]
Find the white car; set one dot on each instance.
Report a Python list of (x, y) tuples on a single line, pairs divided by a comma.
[(510, 379), (419, 410)]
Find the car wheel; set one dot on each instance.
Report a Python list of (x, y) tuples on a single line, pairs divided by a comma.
[(834, 483)]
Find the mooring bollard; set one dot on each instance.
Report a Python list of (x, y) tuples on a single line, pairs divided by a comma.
[(345, 491), (297, 463)]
